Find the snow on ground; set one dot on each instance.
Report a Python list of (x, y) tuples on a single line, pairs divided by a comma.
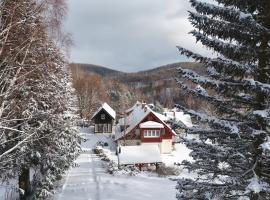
[(9, 191), (181, 153), (89, 181)]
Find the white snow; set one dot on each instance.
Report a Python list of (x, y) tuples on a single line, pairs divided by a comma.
[(263, 113), (266, 145), (140, 154), (254, 185), (9, 190), (201, 90), (151, 124), (244, 15), (89, 181), (179, 116), (107, 108), (180, 154)]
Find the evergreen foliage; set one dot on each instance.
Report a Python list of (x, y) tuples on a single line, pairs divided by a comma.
[(232, 150)]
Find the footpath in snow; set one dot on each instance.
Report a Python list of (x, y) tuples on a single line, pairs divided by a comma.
[(89, 181)]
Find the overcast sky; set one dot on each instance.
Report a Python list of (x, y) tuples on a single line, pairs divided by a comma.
[(129, 35)]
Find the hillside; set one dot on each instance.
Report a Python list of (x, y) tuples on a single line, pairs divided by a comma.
[(97, 69), (156, 85), (165, 72)]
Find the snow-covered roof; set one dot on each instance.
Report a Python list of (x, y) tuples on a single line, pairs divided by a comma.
[(151, 124), (160, 116), (179, 116), (146, 153), (107, 108), (139, 112)]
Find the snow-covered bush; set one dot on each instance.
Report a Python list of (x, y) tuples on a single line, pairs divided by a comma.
[(164, 170), (98, 150), (112, 168)]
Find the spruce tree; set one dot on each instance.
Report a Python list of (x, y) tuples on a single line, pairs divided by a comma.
[(232, 150)]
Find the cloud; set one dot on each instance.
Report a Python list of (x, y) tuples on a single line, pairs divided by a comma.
[(129, 35)]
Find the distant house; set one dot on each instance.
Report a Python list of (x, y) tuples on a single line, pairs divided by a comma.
[(143, 126), (103, 119)]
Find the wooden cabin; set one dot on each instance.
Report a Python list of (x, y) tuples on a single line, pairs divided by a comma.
[(103, 119)]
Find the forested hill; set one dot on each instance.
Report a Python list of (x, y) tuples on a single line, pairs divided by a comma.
[(96, 69), (163, 71), (156, 85)]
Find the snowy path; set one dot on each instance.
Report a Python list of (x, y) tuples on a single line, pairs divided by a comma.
[(89, 181)]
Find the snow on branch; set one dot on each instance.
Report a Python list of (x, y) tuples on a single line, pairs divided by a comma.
[(222, 29), (226, 65), (232, 126), (246, 84), (222, 104), (229, 50), (228, 14)]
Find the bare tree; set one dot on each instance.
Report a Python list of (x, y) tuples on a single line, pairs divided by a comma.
[(34, 98)]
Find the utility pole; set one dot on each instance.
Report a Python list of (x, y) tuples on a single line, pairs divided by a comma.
[(118, 151)]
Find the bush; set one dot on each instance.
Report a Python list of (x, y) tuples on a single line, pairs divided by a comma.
[(112, 168), (168, 171), (98, 150)]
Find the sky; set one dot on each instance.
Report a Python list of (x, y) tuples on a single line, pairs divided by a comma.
[(129, 35)]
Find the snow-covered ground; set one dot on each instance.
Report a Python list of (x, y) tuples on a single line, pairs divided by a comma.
[(8, 191), (89, 181)]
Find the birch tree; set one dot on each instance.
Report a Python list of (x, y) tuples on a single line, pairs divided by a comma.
[(35, 94)]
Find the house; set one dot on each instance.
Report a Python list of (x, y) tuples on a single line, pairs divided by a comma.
[(143, 126), (103, 119), (178, 116)]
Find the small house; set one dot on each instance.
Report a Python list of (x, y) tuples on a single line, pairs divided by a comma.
[(143, 126), (103, 119)]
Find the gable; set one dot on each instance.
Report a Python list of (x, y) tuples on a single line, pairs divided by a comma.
[(102, 116), (152, 117)]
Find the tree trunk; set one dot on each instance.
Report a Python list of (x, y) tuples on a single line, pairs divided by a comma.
[(24, 183)]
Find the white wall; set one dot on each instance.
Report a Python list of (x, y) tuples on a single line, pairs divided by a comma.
[(166, 146)]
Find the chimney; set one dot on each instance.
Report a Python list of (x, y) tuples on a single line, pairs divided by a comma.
[(145, 108), (143, 104)]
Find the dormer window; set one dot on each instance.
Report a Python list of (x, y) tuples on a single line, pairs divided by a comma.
[(102, 116)]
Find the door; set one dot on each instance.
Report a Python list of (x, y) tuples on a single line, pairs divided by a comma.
[(105, 128), (109, 128)]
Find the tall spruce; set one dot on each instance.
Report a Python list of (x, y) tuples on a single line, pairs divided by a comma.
[(232, 150)]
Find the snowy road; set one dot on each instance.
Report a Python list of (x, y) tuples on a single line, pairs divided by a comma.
[(89, 181)]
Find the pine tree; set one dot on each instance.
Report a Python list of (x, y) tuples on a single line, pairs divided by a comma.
[(232, 154), (35, 99)]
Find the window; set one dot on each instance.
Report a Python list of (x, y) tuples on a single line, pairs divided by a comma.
[(151, 133), (102, 116)]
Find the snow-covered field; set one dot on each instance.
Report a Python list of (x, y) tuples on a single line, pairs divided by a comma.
[(89, 181)]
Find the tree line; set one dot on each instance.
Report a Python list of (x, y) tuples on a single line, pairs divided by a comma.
[(37, 102)]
